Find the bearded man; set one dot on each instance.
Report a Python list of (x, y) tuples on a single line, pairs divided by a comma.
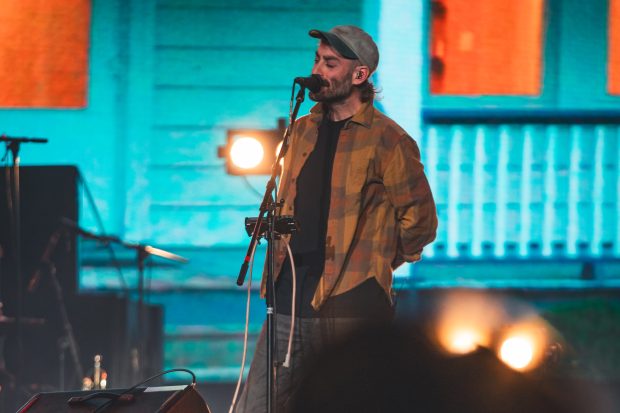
[(353, 179)]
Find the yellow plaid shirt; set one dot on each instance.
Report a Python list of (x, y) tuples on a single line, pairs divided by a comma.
[(381, 213)]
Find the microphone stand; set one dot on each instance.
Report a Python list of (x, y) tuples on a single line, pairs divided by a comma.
[(269, 206), (140, 362), (68, 341), (143, 252), (14, 200)]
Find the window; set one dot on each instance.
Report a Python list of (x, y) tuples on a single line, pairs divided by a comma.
[(44, 53), (482, 47), (509, 57), (613, 68)]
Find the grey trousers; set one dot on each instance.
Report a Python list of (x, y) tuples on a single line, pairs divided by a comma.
[(310, 338)]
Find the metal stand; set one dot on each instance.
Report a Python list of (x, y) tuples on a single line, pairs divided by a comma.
[(68, 341), (14, 199), (269, 207), (143, 252), (139, 361)]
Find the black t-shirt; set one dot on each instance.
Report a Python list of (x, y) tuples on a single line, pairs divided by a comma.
[(368, 300)]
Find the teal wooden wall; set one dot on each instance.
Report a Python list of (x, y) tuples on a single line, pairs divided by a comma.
[(169, 77), (88, 137), (220, 65)]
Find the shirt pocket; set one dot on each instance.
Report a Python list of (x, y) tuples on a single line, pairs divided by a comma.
[(356, 178), (357, 171)]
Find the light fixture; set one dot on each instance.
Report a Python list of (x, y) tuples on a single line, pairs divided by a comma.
[(251, 151), (517, 352), (246, 152), (519, 337), (463, 340), (524, 344)]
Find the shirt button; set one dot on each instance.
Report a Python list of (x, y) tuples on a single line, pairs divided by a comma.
[(304, 154)]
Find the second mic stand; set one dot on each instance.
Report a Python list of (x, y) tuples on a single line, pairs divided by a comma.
[(139, 359), (13, 145), (269, 207), (68, 341), (142, 253)]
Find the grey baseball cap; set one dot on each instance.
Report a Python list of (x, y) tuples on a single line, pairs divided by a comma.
[(352, 43)]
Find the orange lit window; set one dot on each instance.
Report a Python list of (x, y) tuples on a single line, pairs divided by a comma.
[(614, 48), (44, 53), (482, 47)]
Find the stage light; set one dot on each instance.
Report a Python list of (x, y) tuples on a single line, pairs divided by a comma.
[(517, 352), (523, 345), (459, 337), (246, 152), (463, 341), (251, 151), (465, 322)]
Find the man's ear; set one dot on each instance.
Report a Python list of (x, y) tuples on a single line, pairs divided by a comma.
[(360, 75)]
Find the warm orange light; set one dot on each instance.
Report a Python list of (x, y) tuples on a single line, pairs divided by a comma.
[(466, 321), (246, 152), (517, 352), (44, 53), (463, 340), (482, 47), (523, 346), (613, 65)]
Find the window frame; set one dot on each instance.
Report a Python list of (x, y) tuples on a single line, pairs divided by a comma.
[(559, 68)]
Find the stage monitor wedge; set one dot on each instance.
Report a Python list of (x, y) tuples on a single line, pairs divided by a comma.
[(167, 399)]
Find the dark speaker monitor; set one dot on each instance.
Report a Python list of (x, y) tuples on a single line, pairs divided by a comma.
[(106, 325), (47, 194), (169, 399)]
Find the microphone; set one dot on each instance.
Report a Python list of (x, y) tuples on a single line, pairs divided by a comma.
[(312, 83), (44, 261)]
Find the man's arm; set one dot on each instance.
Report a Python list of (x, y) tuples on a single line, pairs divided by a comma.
[(410, 194)]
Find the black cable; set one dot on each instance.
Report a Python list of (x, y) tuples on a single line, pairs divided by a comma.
[(149, 281), (247, 182), (9, 193), (93, 205), (129, 390), (9, 210)]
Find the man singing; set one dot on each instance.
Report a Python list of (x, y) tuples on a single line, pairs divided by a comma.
[(353, 179)]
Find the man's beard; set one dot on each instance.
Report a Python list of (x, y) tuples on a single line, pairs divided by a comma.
[(337, 91)]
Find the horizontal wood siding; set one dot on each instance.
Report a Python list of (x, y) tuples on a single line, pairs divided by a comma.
[(221, 65)]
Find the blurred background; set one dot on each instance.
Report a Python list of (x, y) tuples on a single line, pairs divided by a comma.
[(515, 107)]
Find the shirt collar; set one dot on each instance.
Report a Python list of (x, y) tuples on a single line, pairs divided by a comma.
[(363, 116)]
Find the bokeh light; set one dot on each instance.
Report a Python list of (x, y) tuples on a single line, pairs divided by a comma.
[(466, 322), (463, 340), (517, 352), (246, 152), (522, 346)]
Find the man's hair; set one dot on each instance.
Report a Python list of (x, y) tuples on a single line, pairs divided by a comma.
[(367, 91)]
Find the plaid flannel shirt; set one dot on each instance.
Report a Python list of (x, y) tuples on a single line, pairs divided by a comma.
[(381, 213)]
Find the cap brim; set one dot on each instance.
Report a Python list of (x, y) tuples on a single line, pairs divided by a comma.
[(335, 42)]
